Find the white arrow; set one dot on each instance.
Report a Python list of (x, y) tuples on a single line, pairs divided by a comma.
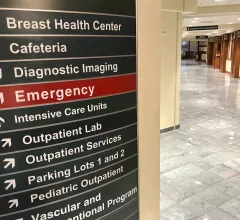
[(1, 98), (10, 162), (0, 73), (1, 120), (10, 183), (14, 202), (7, 141)]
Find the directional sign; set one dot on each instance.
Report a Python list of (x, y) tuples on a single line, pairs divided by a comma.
[(202, 28), (10, 183), (68, 118), (10, 162), (13, 203), (7, 142)]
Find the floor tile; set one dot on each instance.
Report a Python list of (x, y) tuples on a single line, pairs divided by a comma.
[(229, 154), (176, 150), (215, 159), (232, 207), (233, 164), (165, 155), (170, 164), (177, 175), (235, 179), (164, 167), (202, 164), (209, 178), (228, 187), (174, 191), (194, 185), (162, 218), (178, 212), (223, 171), (165, 202), (203, 156), (197, 205), (189, 157), (191, 169), (214, 196), (238, 197), (217, 214)]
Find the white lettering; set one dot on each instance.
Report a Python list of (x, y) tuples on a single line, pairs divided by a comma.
[(12, 23), (42, 48), (59, 94)]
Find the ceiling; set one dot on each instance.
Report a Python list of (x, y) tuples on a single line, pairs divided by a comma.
[(205, 3), (212, 20), (227, 21)]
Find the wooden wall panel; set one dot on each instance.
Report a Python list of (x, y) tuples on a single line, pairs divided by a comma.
[(224, 52), (236, 55), (217, 52), (210, 51)]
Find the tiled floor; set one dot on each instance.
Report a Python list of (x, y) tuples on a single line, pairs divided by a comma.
[(200, 163)]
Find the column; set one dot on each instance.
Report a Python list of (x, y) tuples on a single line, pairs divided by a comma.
[(149, 68), (172, 18), (170, 70), (79, 110)]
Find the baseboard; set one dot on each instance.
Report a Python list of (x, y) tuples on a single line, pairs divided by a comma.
[(177, 127), (164, 130)]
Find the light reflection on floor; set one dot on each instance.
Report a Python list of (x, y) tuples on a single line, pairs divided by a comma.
[(200, 163)]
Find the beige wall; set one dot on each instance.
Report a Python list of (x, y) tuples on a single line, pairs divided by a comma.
[(170, 68), (149, 57)]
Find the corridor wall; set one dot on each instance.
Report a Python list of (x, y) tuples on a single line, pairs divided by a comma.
[(170, 69)]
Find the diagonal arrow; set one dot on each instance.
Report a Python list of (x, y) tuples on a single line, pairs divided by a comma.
[(14, 202), (1, 98), (1, 120), (10, 183), (10, 162), (7, 141)]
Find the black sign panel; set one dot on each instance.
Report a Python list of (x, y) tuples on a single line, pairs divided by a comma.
[(68, 110), (201, 37), (202, 28)]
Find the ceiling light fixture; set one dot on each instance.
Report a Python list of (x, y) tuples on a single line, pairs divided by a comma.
[(193, 21), (196, 18), (230, 23)]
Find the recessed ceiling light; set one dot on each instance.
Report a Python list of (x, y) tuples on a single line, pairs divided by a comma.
[(193, 21), (218, 0), (230, 23), (196, 18), (190, 25)]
